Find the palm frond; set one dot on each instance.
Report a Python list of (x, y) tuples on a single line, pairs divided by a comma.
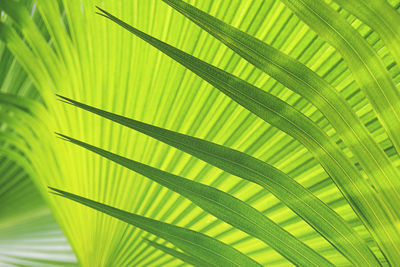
[(207, 249), (66, 48)]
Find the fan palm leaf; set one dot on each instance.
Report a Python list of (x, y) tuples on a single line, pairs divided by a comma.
[(68, 50)]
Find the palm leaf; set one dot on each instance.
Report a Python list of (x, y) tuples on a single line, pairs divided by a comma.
[(366, 66), (226, 208), (207, 249), (29, 234), (377, 14), (308, 84), (359, 194), (177, 254), (291, 193), (88, 58)]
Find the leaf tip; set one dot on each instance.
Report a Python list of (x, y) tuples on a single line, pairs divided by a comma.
[(102, 12), (55, 191), (65, 99), (62, 136)]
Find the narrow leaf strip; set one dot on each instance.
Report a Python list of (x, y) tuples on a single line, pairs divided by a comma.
[(298, 198), (364, 63), (177, 254), (223, 206), (300, 79), (19, 13), (381, 17), (206, 248), (355, 189)]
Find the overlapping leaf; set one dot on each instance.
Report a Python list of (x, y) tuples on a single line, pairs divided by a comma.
[(177, 254), (308, 84), (227, 208), (366, 66), (291, 193), (381, 17), (84, 60), (204, 247)]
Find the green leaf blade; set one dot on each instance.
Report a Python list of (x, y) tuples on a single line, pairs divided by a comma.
[(363, 199), (224, 207), (177, 254), (303, 81), (205, 247), (299, 199), (364, 63), (381, 17)]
